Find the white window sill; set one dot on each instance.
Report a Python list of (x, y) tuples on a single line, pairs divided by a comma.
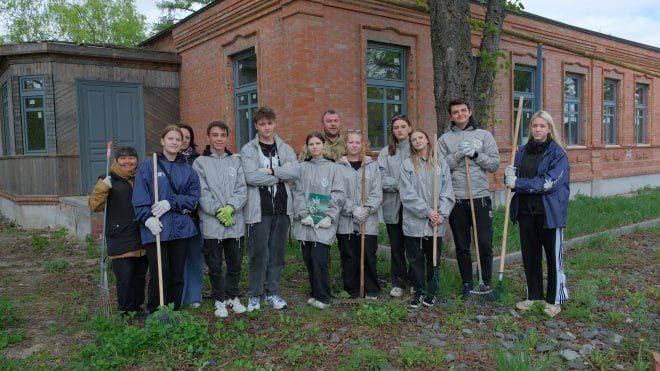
[(643, 145), (576, 147), (612, 146)]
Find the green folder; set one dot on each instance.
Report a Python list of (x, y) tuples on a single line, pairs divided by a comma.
[(317, 206)]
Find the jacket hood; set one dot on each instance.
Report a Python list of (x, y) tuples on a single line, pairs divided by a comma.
[(207, 151), (117, 170), (179, 157), (471, 125)]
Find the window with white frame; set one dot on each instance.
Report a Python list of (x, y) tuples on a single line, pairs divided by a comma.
[(572, 104), (524, 86), (610, 94), (386, 89), (33, 114), (246, 98), (6, 138), (641, 92)]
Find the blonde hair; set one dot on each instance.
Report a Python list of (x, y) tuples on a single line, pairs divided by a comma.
[(545, 116), (169, 128), (430, 153)]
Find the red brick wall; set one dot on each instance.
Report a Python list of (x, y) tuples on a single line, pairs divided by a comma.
[(310, 57)]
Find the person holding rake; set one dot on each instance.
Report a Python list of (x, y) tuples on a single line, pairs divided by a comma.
[(167, 219), (540, 179), (358, 217), (428, 198)]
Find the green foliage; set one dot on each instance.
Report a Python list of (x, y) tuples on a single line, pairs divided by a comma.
[(364, 357), (60, 233), (10, 317), (37, 243), (80, 21), (375, 315), (56, 266), (416, 356), (172, 10)]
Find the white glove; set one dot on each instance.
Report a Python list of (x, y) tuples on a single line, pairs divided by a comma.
[(324, 223), (510, 176), (360, 213), (266, 170), (160, 208), (108, 181), (154, 225), (307, 221), (466, 149)]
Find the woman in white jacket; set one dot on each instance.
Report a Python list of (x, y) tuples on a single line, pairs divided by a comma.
[(418, 175), (317, 197)]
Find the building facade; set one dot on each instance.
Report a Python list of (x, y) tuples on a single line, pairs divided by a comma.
[(372, 59)]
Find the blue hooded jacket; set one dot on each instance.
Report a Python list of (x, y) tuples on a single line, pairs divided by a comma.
[(177, 223), (552, 182)]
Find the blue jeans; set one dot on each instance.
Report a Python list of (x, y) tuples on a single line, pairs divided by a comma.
[(192, 273)]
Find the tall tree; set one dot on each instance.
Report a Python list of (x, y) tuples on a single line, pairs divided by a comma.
[(81, 21), (173, 10), (451, 26)]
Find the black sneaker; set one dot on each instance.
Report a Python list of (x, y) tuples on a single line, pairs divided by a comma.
[(428, 300), (467, 290), (416, 302)]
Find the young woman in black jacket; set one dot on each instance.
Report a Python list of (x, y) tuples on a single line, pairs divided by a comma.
[(122, 232)]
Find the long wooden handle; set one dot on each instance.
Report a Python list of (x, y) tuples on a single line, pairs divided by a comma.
[(507, 199), (161, 295), (435, 199), (363, 200)]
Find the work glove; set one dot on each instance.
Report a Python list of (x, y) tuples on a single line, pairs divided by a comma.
[(307, 221), (108, 181), (360, 213), (510, 176), (324, 223), (160, 208), (225, 215), (154, 225), (466, 149)]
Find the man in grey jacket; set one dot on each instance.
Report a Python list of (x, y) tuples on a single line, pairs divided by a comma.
[(270, 166), (223, 196), (466, 142)]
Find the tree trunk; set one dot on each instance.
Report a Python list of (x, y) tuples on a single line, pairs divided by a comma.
[(484, 81), (452, 55)]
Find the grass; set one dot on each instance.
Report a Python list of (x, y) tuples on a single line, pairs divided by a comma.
[(56, 266), (10, 319)]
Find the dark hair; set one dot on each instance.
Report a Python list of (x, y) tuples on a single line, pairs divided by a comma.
[(217, 124), (329, 111), (126, 152), (264, 113), (457, 102), (391, 148), (315, 134), (192, 134)]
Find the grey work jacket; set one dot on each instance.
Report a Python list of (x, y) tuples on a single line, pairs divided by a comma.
[(417, 197), (487, 160), (353, 189), (390, 173), (287, 173), (222, 183), (319, 176)]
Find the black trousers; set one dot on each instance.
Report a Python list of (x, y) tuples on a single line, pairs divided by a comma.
[(130, 274), (349, 252), (534, 239), (223, 286), (173, 256), (316, 257), (460, 221), (419, 252), (399, 270)]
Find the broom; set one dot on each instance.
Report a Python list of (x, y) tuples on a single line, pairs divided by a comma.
[(499, 289), (433, 286), (363, 200), (481, 288)]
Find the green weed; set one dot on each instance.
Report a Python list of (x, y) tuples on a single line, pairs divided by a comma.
[(37, 243), (56, 266), (374, 315)]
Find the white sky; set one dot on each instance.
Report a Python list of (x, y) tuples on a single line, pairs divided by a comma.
[(636, 20)]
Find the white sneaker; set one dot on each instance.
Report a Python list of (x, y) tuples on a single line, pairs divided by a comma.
[(253, 304), (196, 304), (371, 297), (552, 309), (320, 304), (396, 292), (525, 304), (220, 309), (235, 305), (311, 301), (276, 301)]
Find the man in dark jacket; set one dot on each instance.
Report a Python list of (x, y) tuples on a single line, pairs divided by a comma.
[(122, 232)]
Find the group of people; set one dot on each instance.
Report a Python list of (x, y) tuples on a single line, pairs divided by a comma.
[(209, 204)]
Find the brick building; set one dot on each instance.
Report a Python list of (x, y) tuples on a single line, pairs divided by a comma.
[(372, 59)]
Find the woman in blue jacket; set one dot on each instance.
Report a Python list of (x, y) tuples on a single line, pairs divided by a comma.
[(178, 193), (541, 180)]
